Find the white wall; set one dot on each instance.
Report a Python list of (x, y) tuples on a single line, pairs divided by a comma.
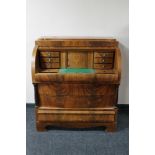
[(105, 18)]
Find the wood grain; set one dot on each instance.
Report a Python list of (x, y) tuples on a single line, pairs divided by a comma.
[(76, 42), (103, 66), (49, 54), (103, 54), (77, 59), (42, 60), (50, 65), (103, 60)]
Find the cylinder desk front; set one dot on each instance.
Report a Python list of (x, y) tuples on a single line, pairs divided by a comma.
[(76, 82)]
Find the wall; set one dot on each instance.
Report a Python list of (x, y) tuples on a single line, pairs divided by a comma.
[(103, 18)]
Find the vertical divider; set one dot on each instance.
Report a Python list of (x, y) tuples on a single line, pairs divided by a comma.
[(90, 59), (63, 59)]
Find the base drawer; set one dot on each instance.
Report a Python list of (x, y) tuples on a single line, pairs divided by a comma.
[(54, 115)]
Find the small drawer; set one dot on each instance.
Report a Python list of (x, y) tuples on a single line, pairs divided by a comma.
[(103, 66), (50, 54), (103, 60), (103, 54), (49, 59), (50, 65)]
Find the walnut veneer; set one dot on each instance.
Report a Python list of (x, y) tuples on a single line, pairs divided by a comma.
[(76, 99)]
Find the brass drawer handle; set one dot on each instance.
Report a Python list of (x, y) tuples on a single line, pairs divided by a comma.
[(103, 60), (49, 54), (104, 54), (49, 60)]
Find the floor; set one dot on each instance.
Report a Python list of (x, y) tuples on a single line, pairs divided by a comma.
[(93, 141)]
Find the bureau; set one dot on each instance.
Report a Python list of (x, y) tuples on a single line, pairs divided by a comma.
[(76, 82)]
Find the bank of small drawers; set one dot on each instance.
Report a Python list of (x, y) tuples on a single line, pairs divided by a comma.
[(103, 60), (49, 59)]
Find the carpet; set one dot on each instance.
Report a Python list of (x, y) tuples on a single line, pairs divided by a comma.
[(92, 141)]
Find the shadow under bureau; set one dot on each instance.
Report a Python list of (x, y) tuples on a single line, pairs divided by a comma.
[(76, 82)]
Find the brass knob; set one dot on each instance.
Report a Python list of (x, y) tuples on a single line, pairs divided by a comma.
[(104, 54), (49, 60), (103, 60), (49, 54), (48, 64), (103, 66)]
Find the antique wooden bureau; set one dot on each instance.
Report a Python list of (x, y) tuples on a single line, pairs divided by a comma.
[(76, 82)]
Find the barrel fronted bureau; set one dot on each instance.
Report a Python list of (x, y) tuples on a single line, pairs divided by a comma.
[(76, 82)]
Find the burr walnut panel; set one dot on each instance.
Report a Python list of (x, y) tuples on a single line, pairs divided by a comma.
[(76, 89), (76, 95), (76, 102), (77, 59)]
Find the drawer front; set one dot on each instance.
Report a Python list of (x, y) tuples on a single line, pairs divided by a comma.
[(82, 96), (76, 102), (50, 65), (49, 60), (50, 54), (77, 90), (103, 60), (75, 116), (103, 54), (103, 66)]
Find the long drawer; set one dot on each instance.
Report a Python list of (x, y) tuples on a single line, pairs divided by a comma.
[(61, 116)]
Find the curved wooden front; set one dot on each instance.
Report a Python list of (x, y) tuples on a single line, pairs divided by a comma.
[(77, 95)]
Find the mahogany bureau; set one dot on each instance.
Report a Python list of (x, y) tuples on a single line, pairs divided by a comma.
[(76, 82)]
